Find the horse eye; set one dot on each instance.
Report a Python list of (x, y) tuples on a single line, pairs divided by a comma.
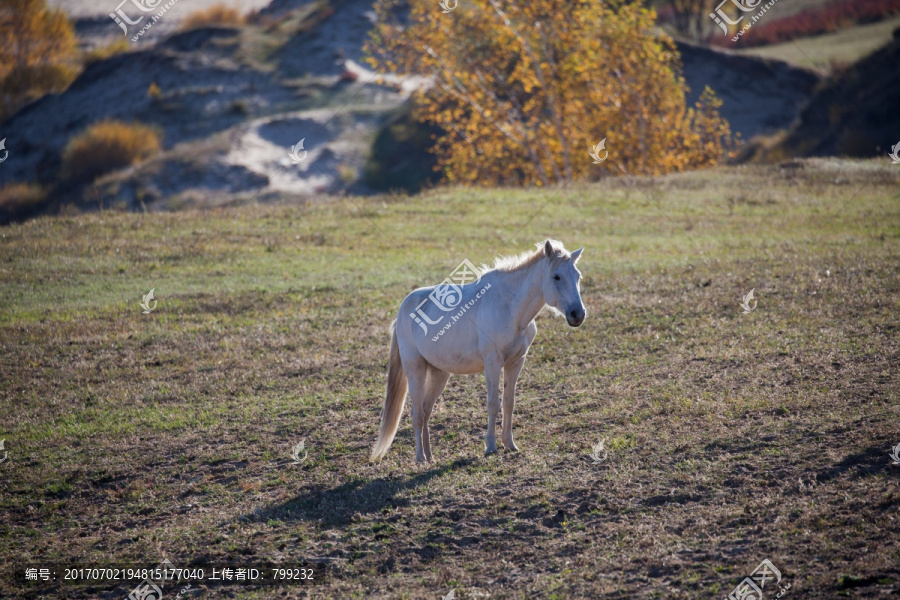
[(556, 277)]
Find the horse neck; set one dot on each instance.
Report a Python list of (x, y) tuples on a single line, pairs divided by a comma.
[(526, 293)]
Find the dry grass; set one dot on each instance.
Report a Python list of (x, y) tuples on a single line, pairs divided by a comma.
[(732, 437), (107, 146), (217, 14), (117, 46), (20, 198)]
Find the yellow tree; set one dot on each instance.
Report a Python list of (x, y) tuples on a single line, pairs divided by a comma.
[(37, 47), (523, 90)]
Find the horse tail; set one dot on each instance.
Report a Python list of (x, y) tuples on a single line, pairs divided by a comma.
[(394, 399)]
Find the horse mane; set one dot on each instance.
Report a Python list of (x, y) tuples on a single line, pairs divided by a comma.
[(517, 262)]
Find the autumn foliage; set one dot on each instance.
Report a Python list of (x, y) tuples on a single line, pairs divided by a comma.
[(523, 90), (37, 52), (106, 146)]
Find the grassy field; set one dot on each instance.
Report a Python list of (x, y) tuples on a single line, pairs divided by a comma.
[(731, 437), (822, 52)]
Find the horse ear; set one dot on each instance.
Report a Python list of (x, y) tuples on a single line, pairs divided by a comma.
[(576, 255), (549, 252)]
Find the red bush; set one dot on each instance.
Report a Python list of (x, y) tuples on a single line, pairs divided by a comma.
[(813, 22)]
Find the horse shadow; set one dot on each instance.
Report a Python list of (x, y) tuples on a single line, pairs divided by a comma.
[(338, 505), (865, 463)]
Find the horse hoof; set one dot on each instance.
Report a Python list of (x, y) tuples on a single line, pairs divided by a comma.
[(489, 451), (512, 447)]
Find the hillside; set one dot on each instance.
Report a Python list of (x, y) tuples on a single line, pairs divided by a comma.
[(230, 103), (760, 95), (832, 51), (853, 115)]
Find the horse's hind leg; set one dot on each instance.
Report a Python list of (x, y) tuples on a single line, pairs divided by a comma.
[(510, 376), (437, 379), (416, 373)]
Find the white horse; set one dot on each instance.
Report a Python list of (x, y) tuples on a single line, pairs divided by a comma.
[(487, 325)]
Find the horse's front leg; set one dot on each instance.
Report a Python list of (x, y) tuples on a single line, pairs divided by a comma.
[(492, 368), (510, 376)]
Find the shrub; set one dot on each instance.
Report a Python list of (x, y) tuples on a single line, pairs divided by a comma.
[(37, 53), (154, 91), (107, 146), (20, 200), (217, 14)]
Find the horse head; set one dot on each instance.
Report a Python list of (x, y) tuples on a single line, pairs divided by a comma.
[(561, 282)]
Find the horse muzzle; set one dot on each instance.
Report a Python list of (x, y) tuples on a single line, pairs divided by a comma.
[(575, 317)]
